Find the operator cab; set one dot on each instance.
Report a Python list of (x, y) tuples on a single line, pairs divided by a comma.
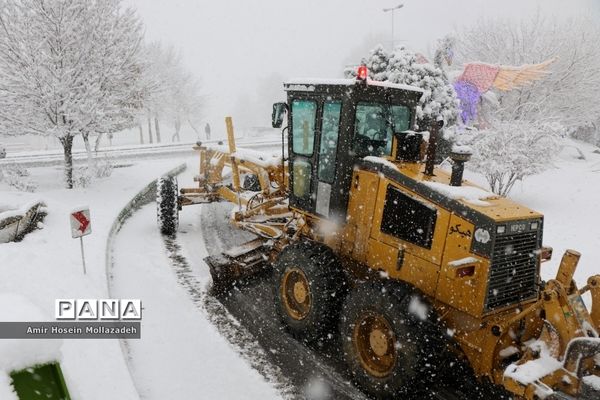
[(334, 123)]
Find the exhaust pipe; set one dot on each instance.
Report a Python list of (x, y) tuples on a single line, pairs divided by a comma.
[(459, 156), (435, 127)]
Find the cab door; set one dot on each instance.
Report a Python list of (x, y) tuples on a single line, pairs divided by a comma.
[(327, 157), (302, 155), (315, 128)]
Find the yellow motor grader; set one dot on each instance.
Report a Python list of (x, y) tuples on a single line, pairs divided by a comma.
[(403, 261)]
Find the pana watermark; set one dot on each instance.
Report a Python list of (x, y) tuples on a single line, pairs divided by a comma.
[(98, 309)]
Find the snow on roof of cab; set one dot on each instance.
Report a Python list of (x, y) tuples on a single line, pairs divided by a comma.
[(347, 82)]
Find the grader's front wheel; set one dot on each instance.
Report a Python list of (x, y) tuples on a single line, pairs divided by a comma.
[(167, 205), (308, 289)]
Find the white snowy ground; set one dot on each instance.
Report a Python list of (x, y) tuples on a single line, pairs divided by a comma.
[(46, 266), (181, 355)]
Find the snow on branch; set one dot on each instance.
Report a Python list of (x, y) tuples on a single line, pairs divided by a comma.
[(67, 68)]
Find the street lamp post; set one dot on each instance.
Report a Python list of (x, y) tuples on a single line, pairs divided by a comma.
[(392, 9)]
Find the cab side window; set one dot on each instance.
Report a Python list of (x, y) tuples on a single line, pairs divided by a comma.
[(329, 140), (400, 118), (304, 113), (302, 172)]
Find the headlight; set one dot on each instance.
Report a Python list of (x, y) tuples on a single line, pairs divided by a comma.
[(534, 225)]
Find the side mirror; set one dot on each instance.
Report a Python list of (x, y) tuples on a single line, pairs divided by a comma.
[(279, 110)]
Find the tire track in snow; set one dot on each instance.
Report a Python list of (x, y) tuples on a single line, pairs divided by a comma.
[(252, 304), (243, 341)]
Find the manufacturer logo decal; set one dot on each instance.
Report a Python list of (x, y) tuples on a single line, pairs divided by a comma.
[(482, 235)]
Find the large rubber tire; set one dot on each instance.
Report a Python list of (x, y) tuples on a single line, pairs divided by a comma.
[(167, 205), (390, 338), (309, 271)]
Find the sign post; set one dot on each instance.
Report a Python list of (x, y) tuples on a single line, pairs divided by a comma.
[(81, 225)]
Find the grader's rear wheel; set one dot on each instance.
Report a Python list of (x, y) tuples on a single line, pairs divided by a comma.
[(309, 286), (375, 343), (389, 337), (167, 205)]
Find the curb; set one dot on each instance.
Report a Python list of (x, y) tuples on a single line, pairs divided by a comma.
[(145, 196)]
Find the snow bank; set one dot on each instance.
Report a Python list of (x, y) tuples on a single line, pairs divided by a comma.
[(10, 211), (18, 354), (6, 389), (16, 221), (470, 194)]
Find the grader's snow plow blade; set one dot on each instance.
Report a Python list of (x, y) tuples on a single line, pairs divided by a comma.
[(260, 208), (237, 264)]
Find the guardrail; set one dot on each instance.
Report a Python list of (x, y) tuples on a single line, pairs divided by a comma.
[(41, 159)]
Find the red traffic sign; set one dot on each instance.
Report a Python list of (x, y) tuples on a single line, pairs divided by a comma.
[(81, 223)]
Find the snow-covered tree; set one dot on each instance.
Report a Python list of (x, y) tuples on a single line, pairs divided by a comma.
[(569, 94), (174, 93), (511, 151), (67, 68), (401, 66), (187, 103)]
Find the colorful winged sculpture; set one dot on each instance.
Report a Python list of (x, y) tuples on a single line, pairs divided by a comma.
[(477, 78)]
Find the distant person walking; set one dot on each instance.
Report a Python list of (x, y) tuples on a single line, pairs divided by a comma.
[(207, 131)]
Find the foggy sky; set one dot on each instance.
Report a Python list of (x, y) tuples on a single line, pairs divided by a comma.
[(240, 48)]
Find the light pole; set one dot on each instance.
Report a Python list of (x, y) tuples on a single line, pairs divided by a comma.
[(392, 9)]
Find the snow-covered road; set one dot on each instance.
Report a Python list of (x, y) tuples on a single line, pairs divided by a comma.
[(181, 355)]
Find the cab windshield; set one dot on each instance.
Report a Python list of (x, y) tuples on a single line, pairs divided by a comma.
[(375, 125)]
